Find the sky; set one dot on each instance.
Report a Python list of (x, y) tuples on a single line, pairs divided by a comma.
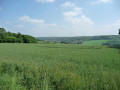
[(61, 18)]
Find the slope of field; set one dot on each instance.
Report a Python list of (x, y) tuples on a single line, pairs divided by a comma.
[(112, 40), (94, 42), (82, 38), (59, 67)]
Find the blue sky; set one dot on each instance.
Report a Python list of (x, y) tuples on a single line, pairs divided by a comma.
[(47, 18)]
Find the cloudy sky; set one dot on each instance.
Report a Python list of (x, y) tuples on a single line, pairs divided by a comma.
[(46, 18)]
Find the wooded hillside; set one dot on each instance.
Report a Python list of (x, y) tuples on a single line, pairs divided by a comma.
[(8, 37)]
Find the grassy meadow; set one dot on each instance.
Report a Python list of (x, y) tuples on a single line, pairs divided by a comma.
[(59, 67)]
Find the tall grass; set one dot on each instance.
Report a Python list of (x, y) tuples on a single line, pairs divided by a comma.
[(58, 67)]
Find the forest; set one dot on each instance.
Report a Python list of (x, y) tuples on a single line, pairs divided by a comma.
[(9, 37)]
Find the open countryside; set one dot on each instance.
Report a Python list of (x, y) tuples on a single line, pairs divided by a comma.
[(59, 45), (59, 67)]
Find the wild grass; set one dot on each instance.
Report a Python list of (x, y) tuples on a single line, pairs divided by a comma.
[(59, 67)]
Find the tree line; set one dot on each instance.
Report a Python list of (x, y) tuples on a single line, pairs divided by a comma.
[(9, 37)]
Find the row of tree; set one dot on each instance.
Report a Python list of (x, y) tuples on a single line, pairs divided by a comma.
[(8, 37)]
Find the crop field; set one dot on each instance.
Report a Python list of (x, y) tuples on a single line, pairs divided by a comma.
[(59, 67), (95, 42)]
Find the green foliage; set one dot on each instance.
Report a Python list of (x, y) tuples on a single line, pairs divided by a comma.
[(2, 30), (8, 37), (58, 67), (29, 39)]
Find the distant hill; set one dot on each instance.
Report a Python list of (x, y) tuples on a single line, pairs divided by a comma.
[(107, 40)]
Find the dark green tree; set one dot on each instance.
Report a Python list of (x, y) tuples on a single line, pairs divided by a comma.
[(8, 37), (2, 30), (19, 35)]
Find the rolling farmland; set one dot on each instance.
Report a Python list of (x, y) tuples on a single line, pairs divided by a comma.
[(59, 67), (94, 42)]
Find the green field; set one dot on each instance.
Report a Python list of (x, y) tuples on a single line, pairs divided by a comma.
[(94, 42), (59, 67)]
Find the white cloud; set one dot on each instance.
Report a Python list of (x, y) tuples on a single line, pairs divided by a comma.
[(101, 1), (81, 25), (76, 16), (45, 0), (111, 29), (77, 24), (83, 29), (20, 26), (69, 14), (30, 20), (0, 8), (75, 12), (34, 21), (53, 24), (82, 20), (114, 25), (68, 4)]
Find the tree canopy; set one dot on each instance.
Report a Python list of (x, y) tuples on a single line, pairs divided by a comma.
[(2, 30), (8, 37)]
